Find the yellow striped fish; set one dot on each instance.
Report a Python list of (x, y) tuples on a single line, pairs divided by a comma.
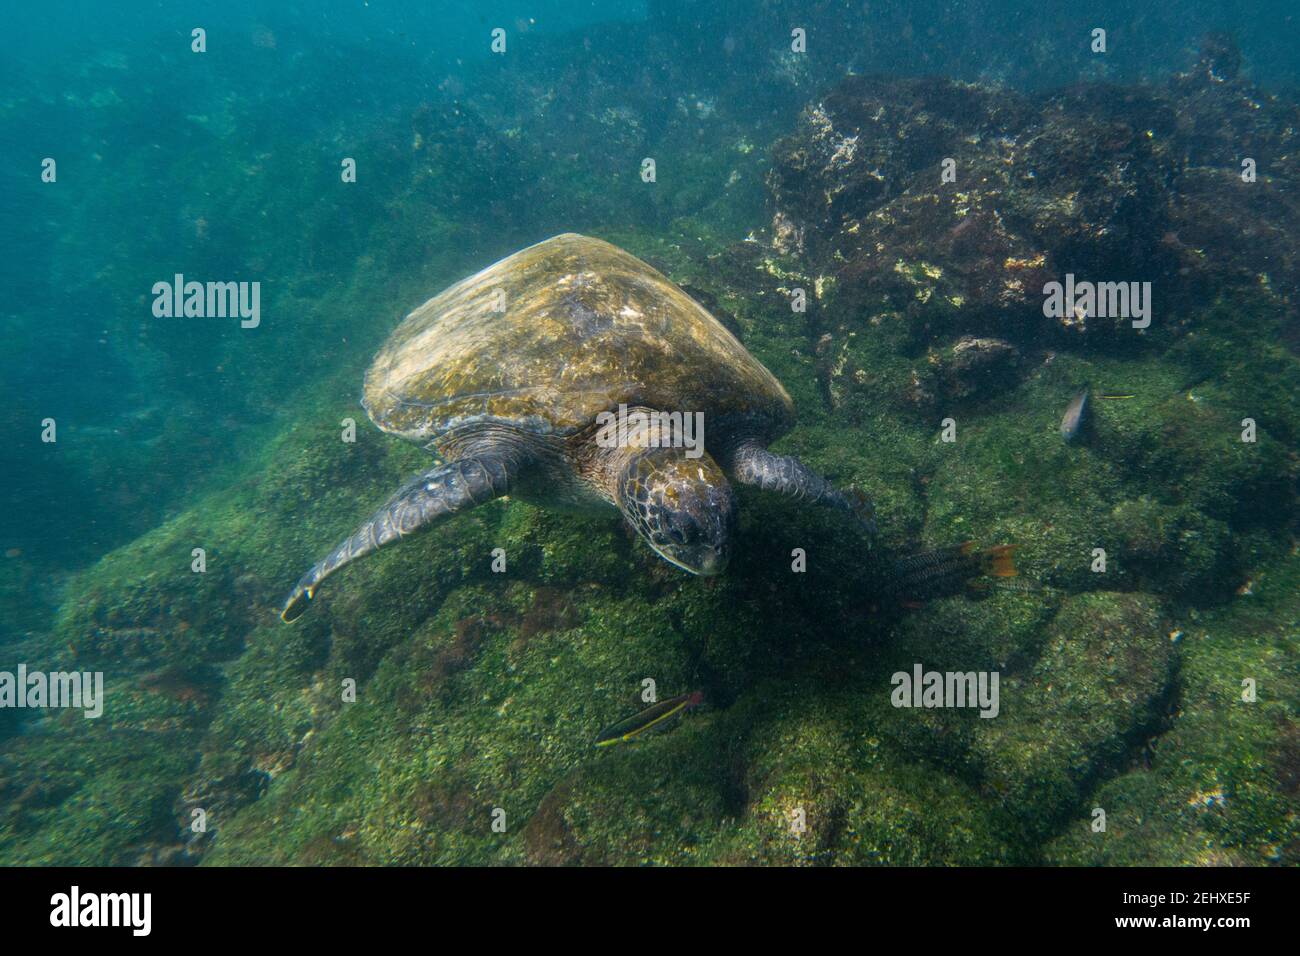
[(652, 716)]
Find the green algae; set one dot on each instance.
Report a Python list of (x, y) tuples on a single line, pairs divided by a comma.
[(1219, 785), (478, 693)]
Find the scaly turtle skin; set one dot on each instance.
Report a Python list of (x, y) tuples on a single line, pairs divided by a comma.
[(510, 377)]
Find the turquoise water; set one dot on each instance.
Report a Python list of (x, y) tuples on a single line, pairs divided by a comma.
[(799, 153)]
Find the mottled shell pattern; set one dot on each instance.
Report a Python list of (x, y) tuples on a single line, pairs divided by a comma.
[(548, 338)]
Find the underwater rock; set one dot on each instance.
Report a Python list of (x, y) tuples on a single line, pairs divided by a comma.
[(1176, 550), (972, 369), (958, 204), (1031, 194), (978, 367), (1099, 683), (868, 140), (1216, 786)]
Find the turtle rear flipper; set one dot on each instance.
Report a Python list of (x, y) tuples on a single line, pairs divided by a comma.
[(424, 500)]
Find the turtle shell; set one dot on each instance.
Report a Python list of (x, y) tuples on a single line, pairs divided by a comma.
[(548, 338)]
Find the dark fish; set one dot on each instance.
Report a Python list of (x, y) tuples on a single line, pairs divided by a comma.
[(652, 716), (1076, 416), (863, 509), (944, 572)]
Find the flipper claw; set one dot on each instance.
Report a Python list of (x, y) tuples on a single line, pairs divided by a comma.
[(427, 498), (296, 604)]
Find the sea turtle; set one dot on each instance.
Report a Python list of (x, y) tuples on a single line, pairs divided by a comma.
[(517, 376)]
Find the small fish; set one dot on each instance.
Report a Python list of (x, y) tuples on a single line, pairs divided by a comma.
[(944, 572), (1076, 416), (1021, 585), (652, 716), (863, 510), (1116, 396)]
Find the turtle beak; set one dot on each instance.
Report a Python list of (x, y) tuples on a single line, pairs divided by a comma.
[(704, 562), (684, 509), (697, 537)]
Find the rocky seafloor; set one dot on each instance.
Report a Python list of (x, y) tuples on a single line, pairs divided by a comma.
[(479, 692)]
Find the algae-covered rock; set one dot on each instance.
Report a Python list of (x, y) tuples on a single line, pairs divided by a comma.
[(959, 205), (1218, 786), (1099, 687)]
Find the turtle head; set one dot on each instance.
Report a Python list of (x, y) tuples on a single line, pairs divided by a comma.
[(683, 507)]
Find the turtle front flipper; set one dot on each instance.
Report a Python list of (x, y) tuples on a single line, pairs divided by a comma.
[(752, 464), (425, 499)]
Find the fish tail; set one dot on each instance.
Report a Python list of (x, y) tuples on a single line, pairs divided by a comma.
[(1000, 561)]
